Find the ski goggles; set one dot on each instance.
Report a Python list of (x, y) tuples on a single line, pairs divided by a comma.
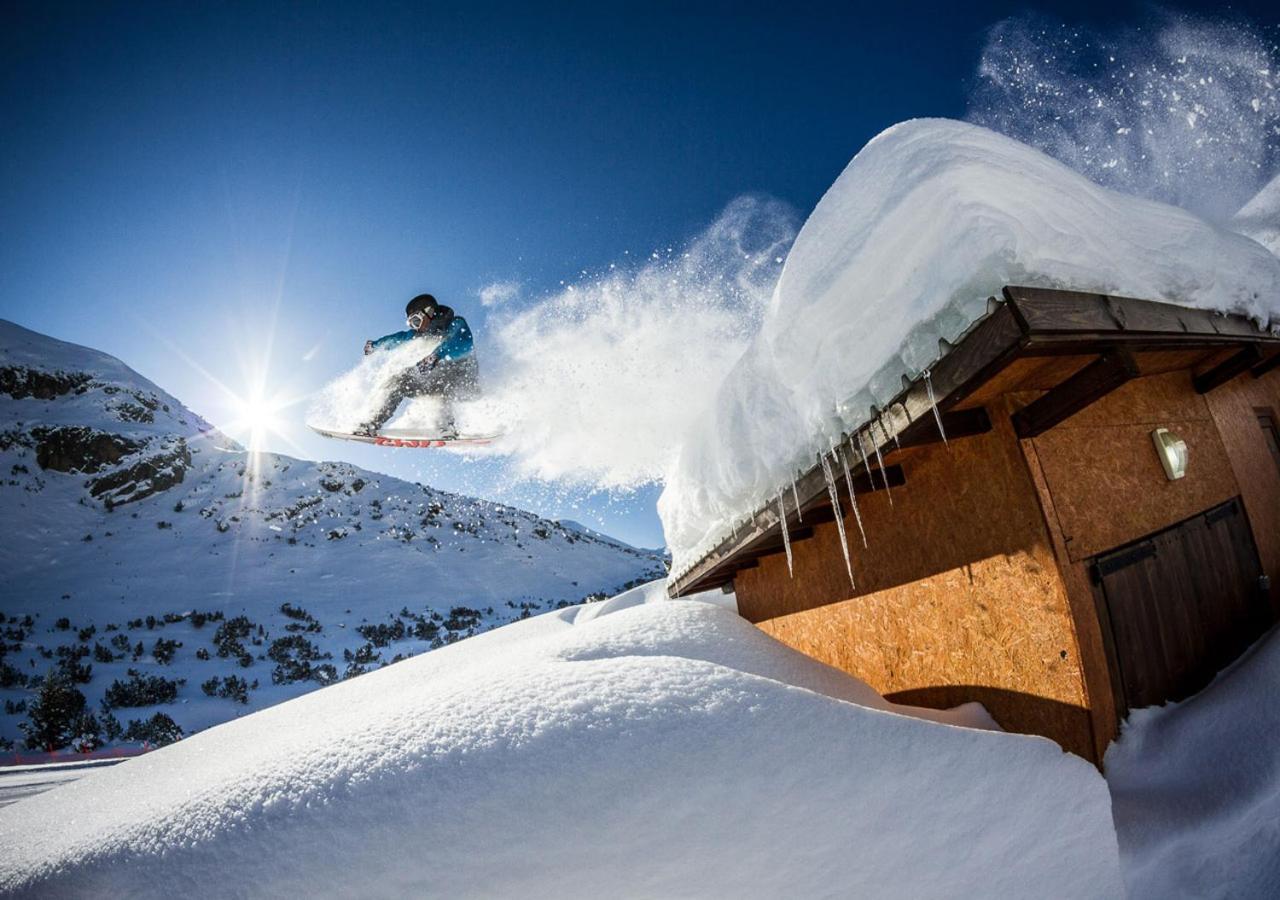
[(415, 321)]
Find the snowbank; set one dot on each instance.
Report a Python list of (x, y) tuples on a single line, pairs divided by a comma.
[(663, 749), (1195, 787), (930, 219)]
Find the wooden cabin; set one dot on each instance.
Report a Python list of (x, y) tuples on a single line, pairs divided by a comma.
[(1098, 532)]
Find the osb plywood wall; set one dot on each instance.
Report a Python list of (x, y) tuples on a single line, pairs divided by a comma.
[(1105, 478), (959, 597), (1102, 486), (1235, 408)]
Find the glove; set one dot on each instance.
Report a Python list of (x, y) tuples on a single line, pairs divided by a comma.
[(428, 364), (368, 347)]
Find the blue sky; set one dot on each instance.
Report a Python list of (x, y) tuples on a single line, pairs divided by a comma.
[(224, 193)]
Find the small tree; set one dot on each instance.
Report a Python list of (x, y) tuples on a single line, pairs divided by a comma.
[(54, 714), (87, 733), (158, 730)]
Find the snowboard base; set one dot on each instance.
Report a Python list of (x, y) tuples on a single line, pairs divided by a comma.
[(400, 438)]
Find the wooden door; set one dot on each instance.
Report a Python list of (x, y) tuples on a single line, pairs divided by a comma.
[(1179, 605)]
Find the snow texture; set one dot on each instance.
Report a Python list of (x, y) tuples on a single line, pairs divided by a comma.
[(19, 782), (658, 749), (926, 223), (1195, 787)]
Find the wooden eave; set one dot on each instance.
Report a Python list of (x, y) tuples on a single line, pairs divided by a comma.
[(1104, 331)]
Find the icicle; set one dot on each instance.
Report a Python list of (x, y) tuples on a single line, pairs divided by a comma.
[(795, 495), (786, 535), (835, 506), (933, 402), (866, 464), (884, 476), (894, 436), (853, 497), (880, 461)]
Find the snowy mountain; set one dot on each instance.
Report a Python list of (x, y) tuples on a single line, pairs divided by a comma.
[(143, 547)]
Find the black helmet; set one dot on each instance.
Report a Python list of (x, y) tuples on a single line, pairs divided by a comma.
[(421, 303)]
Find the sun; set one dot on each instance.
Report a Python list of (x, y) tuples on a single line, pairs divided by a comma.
[(257, 419)]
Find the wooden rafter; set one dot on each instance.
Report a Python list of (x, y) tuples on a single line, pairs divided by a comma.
[(1228, 369), (1090, 384), (958, 423), (1267, 365)]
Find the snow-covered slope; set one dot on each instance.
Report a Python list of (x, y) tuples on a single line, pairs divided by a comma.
[(659, 750), (927, 222), (121, 506), (1195, 787), (1260, 217)]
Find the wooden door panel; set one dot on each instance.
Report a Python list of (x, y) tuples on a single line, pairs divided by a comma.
[(1181, 604)]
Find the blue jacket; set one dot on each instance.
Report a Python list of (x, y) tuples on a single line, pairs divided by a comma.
[(456, 340)]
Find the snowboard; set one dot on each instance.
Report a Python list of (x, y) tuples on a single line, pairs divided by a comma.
[(394, 437)]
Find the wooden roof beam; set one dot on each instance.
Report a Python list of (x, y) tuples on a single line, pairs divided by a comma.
[(775, 545), (1228, 369), (1090, 384), (958, 423), (1266, 365), (819, 510)]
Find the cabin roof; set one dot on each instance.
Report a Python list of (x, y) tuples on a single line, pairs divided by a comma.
[(1075, 346)]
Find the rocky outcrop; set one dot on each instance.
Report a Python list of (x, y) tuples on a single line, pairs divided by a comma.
[(149, 475), (125, 469), (80, 449), (20, 382)]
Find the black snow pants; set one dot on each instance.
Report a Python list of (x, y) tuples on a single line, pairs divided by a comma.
[(449, 379)]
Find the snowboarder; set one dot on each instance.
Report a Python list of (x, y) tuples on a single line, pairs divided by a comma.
[(449, 371)]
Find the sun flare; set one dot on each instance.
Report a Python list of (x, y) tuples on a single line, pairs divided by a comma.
[(257, 419)]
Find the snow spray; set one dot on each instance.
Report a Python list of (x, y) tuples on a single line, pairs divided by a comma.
[(1185, 111), (596, 382)]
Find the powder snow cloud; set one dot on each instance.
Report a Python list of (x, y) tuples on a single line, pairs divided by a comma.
[(1186, 111), (498, 292), (597, 381)]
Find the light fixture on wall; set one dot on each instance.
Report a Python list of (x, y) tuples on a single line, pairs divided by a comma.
[(1172, 451)]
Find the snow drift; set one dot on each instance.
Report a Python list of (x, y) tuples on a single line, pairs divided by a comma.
[(1196, 787), (926, 223), (662, 749)]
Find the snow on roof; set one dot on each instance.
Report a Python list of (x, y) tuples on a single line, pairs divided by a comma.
[(927, 222), (648, 749), (1260, 217)]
